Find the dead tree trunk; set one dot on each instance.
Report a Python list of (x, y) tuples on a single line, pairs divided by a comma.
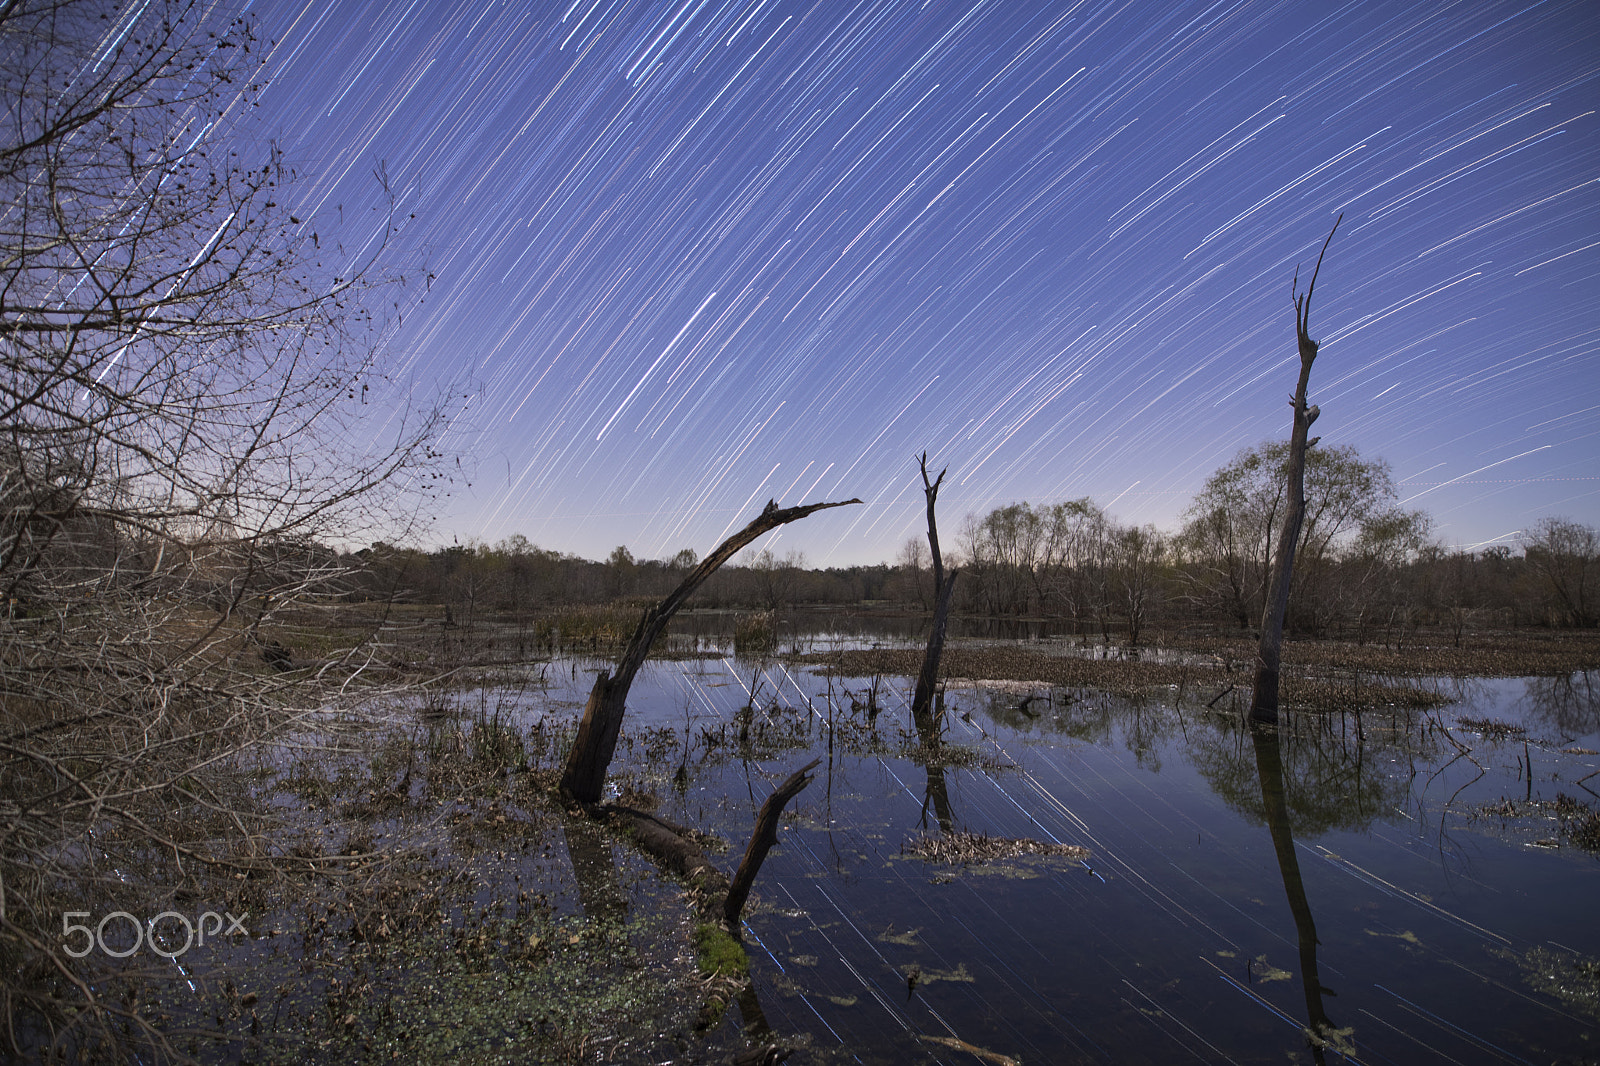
[(585, 772), (1264, 701), (943, 586), (762, 838)]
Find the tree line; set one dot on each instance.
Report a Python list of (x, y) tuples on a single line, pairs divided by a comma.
[(1368, 568)]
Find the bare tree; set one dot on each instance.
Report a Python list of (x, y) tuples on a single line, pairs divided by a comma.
[(1264, 700), (943, 587), (181, 433), (1137, 554), (1567, 555)]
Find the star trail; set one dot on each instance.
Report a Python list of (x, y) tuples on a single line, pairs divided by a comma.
[(688, 256)]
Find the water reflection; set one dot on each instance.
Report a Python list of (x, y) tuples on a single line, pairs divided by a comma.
[(1171, 801), (931, 736), (593, 866), (1332, 770), (1568, 702), (1275, 806)]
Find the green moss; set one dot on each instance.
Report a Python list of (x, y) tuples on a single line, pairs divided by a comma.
[(718, 953)]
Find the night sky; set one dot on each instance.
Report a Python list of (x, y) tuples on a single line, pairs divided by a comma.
[(688, 256)]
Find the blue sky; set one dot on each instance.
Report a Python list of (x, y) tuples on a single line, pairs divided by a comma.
[(690, 256)]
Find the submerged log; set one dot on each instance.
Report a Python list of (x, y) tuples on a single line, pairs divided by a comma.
[(672, 846), (596, 742), (675, 849)]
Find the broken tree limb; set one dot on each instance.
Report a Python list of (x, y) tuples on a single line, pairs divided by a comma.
[(585, 773), (1264, 698), (943, 587), (762, 838), (676, 850)]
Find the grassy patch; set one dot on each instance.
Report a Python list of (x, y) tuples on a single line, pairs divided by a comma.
[(717, 953), (1491, 729)]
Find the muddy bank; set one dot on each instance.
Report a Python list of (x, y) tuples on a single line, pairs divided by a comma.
[(1318, 675), (1485, 653), (1206, 684)]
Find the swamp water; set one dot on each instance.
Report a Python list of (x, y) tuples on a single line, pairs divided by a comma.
[(1362, 879), (1397, 887)]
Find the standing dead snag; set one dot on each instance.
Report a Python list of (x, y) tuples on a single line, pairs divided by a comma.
[(943, 585), (585, 773), (1264, 702)]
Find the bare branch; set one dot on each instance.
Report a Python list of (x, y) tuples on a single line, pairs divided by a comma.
[(596, 741)]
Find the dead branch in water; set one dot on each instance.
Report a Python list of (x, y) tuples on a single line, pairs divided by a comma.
[(596, 742), (761, 840)]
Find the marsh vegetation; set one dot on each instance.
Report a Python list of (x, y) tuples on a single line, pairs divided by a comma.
[(1087, 859)]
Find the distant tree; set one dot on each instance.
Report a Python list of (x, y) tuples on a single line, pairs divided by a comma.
[(1002, 551), (774, 578), (1023, 559), (1384, 573), (1232, 525), (913, 564), (1073, 562), (1566, 556), (621, 571), (1136, 562)]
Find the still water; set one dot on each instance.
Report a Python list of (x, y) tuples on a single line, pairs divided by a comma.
[(1389, 888)]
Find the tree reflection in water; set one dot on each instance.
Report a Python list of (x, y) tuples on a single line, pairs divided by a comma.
[(1333, 771), (600, 891), (1310, 778), (938, 793), (1269, 770), (1568, 702)]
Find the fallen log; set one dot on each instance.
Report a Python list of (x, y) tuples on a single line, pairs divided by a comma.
[(673, 846)]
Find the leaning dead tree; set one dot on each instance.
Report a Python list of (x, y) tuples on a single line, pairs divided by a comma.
[(585, 773), (943, 585), (1264, 701)]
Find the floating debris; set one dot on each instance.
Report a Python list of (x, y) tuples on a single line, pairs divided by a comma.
[(973, 848), (1492, 728), (1578, 821), (971, 1049), (1568, 976)]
